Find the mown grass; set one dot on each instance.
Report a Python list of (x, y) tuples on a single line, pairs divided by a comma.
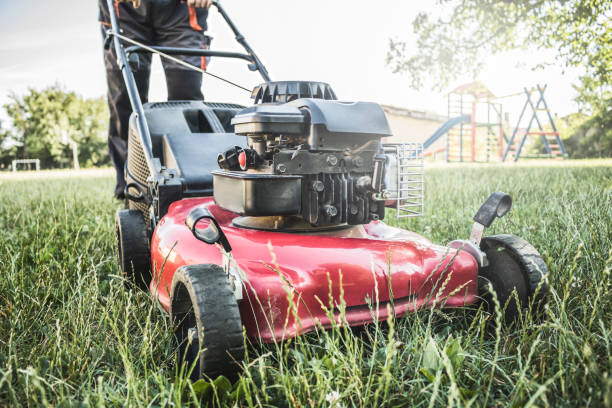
[(71, 334)]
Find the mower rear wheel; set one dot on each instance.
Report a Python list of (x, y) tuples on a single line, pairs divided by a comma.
[(514, 264), (133, 247), (206, 321)]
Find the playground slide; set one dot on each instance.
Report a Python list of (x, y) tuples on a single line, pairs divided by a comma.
[(445, 128)]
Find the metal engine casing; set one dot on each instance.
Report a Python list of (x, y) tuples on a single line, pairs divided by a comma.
[(321, 160)]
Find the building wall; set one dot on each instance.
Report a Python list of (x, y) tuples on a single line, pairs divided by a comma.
[(407, 129), (413, 126)]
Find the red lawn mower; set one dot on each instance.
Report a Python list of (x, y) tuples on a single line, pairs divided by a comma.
[(256, 238)]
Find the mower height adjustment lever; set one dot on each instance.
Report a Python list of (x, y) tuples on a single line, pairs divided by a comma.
[(497, 205), (142, 196), (212, 234)]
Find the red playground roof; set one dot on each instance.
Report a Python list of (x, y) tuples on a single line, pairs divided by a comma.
[(477, 89)]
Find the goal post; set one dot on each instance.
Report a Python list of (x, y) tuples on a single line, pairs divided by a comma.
[(36, 163)]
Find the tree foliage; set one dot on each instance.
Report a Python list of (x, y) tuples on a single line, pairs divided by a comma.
[(458, 41), (43, 121), (591, 136)]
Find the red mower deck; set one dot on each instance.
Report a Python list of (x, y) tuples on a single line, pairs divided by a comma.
[(365, 258)]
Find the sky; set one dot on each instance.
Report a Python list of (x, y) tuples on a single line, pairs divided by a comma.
[(342, 42)]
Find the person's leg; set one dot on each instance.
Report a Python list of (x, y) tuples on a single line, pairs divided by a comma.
[(178, 25), (133, 22), (184, 85)]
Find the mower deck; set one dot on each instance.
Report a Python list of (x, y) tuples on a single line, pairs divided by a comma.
[(368, 264)]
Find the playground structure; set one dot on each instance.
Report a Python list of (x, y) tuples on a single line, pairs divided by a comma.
[(474, 131), (547, 132)]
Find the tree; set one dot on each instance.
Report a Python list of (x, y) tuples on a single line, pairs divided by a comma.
[(458, 41), (592, 135), (43, 121), (8, 148)]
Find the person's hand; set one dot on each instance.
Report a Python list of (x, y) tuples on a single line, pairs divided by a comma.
[(195, 3), (136, 3), (200, 3)]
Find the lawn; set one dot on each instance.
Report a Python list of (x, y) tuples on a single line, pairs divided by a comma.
[(72, 334)]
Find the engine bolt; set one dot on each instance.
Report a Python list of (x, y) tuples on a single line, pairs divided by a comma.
[(358, 161), (281, 168), (332, 160), (318, 186), (330, 210), (354, 209)]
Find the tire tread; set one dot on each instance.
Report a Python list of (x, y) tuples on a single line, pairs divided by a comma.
[(216, 310), (531, 262), (133, 247)]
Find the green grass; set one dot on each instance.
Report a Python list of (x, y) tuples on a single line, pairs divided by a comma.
[(71, 334)]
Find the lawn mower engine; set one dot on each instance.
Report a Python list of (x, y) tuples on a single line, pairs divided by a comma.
[(312, 162)]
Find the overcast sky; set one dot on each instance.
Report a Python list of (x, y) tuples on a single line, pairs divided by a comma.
[(343, 42)]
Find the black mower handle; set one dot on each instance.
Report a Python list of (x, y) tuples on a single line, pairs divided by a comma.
[(191, 52), (249, 56), (242, 41)]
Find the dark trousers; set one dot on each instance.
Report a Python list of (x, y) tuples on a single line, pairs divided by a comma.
[(169, 24)]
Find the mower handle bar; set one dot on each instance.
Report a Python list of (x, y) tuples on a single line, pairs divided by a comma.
[(250, 56), (242, 41), (190, 51), (132, 90)]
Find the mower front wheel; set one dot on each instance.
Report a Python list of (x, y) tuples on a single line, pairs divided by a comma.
[(206, 321), (514, 265), (133, 247)]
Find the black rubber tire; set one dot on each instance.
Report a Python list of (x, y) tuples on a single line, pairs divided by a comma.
[(513, 264), (133, 247), (202, 299)]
